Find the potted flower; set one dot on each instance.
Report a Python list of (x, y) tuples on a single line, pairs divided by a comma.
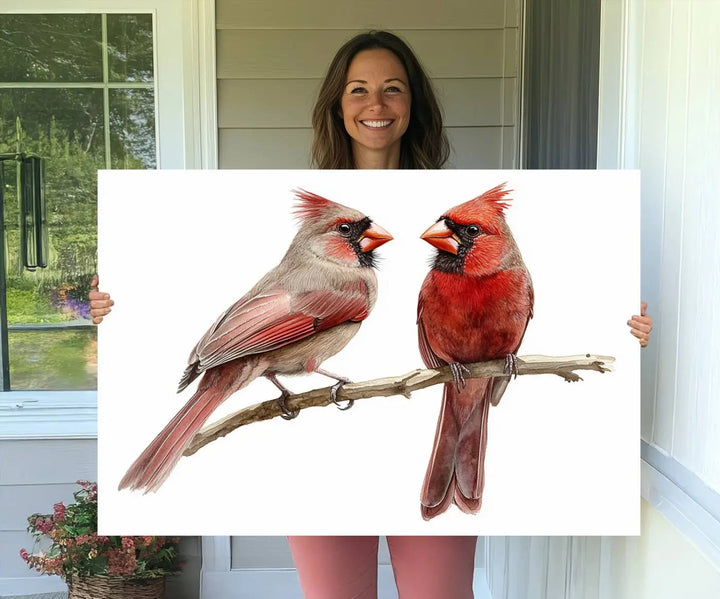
[(95, 566)]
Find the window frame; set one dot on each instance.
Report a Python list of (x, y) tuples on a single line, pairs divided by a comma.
[(186, 134)]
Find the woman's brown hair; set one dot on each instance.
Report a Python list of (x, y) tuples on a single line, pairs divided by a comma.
[(424, 144)]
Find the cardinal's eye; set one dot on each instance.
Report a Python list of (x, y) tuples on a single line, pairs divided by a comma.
[(344, 229), (473, 230)]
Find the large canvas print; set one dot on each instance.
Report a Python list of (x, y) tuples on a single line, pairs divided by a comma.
[(369, 352)]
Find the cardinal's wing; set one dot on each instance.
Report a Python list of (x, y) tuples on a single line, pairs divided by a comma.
[(273, 319), (429, 357)]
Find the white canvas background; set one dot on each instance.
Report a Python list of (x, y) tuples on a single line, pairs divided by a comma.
[(178, 247)]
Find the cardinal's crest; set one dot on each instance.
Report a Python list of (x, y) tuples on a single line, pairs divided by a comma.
[(487, 210), (311, 206)]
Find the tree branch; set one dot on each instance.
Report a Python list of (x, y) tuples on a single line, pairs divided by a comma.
[(400, 385)]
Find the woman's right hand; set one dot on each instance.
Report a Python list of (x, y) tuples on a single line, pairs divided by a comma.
[(100, 303)]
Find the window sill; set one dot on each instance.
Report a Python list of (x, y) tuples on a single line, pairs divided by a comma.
[(689, 505), (48, 415)]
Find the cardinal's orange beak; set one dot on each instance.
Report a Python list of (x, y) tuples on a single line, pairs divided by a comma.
[(373, 237), (441, 237)]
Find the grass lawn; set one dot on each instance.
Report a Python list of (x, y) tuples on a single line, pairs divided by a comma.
[(56, 359)]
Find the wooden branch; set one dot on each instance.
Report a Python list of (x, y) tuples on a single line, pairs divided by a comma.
[(399, 385)]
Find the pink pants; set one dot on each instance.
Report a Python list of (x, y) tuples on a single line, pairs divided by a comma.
[(346, 567)]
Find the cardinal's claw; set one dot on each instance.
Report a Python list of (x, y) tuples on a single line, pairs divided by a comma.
[(457, 372), (333, 395), (287, 413), (511, 365)]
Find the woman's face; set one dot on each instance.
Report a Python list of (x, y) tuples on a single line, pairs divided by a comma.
[(375, 102)]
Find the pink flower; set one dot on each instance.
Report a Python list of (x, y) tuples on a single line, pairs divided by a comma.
[(24, 554), (121, 561), (128, 543), (44, 526), (59, 509)]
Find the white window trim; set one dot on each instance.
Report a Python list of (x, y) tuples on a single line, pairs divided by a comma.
[(679, 495), (186, 110)]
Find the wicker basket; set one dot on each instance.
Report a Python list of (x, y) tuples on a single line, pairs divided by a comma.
[(116, 587)]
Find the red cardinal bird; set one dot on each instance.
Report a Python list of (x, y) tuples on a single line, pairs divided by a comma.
[(474, 306), (299, 314)]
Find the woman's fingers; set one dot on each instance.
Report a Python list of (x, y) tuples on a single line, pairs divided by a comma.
[(641, 325), (100, 302)]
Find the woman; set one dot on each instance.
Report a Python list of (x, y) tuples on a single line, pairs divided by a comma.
[(376, 109)]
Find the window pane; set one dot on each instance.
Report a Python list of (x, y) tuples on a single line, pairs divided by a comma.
[(132, 128), (55, 122), (50, 48), (64, 126), (130, 47), (54, 360)]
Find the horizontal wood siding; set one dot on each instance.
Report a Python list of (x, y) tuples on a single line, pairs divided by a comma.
[(259, 54), (34, 476), (350, 14)]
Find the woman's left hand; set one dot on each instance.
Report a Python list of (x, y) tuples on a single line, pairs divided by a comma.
[(641, 325)]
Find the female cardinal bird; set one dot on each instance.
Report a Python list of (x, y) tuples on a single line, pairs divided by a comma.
[(474, 306), (302, 312)]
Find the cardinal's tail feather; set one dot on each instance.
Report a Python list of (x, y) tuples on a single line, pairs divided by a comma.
[(470, 455), (455, 471), (435, 497), (150, 470)]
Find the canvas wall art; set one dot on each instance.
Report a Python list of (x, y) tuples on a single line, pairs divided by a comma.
[(243, 289)]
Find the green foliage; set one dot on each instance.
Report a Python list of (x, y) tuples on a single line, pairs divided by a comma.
[(30, 305), (77, 550)]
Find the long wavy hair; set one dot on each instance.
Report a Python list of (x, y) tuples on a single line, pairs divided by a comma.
[(424, 144)]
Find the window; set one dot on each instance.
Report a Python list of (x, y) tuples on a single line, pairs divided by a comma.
[(78, 90)]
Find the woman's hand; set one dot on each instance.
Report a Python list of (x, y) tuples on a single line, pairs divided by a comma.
[(100, 303), (641, 325)]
